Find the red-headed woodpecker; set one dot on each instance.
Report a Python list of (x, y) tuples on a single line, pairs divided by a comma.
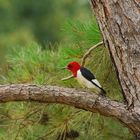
[(85, 77)]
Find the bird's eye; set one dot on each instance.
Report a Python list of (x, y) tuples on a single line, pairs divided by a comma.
[(69, 66)]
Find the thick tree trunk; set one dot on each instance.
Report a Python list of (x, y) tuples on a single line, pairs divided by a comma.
[(119, 21)]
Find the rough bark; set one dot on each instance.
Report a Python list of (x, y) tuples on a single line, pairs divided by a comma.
[(119, 21), (72, 97)]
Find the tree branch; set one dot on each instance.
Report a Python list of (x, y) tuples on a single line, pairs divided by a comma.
[(55, 94), (70, 96), (89, 52)]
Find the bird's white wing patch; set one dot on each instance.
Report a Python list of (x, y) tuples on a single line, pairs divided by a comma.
[(96, 82)]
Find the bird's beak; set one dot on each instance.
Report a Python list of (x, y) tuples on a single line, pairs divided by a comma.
[(63, 68)]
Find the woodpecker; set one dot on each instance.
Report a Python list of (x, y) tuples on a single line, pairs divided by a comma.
[(85, 77)]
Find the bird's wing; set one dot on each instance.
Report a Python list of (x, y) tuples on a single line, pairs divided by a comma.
[(89, 76), (96, 82)]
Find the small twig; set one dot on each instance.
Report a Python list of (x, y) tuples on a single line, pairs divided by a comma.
[(66, 78), (89, 52)]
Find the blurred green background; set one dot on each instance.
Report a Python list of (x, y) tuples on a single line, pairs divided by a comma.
[(36, 39), (40, 21)]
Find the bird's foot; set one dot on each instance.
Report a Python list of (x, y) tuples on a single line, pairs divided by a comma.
[(102, 94)]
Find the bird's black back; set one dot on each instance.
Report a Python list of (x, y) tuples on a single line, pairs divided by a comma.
[(87, 74)]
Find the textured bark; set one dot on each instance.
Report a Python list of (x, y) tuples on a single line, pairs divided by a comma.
[(72, 97), (119, 21)]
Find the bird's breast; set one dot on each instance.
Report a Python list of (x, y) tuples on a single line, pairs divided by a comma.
[(83, 81)]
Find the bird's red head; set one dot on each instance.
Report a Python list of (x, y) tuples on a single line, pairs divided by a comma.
[(73, 67)]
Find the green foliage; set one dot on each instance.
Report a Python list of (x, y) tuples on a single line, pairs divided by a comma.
[(85, 34)]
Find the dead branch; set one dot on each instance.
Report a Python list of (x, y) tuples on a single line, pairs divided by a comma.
[(89, 52), (67, 78)]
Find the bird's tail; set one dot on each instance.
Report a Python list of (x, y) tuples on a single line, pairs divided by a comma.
[(102, 92)]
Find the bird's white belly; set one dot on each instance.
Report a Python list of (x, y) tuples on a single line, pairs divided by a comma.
[(84, 82)]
